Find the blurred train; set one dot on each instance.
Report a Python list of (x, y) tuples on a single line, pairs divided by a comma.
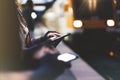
[(83, 13), (94, 13)]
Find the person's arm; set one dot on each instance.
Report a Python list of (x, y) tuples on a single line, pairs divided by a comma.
[(50, 68)]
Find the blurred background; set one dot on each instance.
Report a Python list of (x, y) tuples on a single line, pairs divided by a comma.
[(95, 28)]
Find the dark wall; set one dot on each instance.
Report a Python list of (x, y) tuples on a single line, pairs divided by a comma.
[(118, 4)]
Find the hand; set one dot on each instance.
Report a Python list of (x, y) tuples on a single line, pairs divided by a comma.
[(51, 35), (43, 51)]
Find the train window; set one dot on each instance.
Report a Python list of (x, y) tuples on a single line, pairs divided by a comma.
[(93, 9)]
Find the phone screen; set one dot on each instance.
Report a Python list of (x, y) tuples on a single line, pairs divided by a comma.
[(67, 57)]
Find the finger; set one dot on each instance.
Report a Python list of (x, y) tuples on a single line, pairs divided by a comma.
[(50, 32), (54, 34)]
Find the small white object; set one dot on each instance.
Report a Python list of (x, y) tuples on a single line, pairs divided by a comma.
[(66, 57), (110, 23), (78, 23), (33, 15)]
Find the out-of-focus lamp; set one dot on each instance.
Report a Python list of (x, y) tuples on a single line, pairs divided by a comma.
[(111, 53), (33, 15), (78, 23), (110, 23)]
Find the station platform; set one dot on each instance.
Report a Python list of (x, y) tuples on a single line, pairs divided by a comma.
[(80, 70)]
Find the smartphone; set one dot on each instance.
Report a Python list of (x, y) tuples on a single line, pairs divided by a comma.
[(56, 41), (62, 37), (67, 57)]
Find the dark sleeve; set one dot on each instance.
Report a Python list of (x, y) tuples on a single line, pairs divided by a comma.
[(35, 45), (27, 59), (50, 68)]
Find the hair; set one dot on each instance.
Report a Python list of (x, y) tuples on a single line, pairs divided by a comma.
[(29, 3)]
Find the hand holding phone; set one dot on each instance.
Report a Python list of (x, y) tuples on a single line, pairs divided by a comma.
[(56, 41)]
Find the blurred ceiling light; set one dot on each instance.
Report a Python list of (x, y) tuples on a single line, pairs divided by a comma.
[(78, 23), (34, 1), (110, 23), (22, 1), (41, 1), (49, 0), (39, 8), (33, 15)]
